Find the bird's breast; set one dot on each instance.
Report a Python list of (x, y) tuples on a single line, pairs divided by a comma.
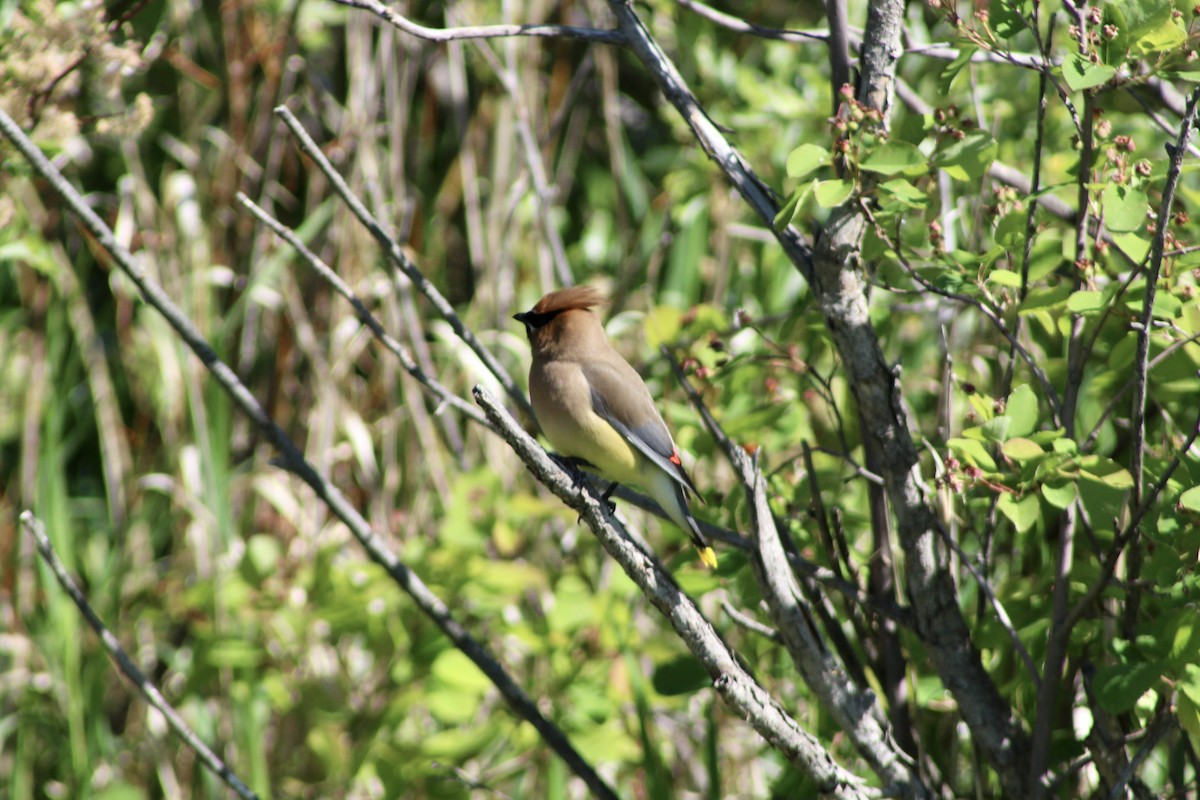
[(562, 401)]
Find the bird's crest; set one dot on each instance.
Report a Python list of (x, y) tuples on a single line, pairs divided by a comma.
[(575, 297)]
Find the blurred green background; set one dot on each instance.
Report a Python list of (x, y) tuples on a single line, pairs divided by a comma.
[(229, 583)]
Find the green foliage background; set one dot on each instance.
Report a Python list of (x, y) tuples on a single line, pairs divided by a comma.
[(258, 615)]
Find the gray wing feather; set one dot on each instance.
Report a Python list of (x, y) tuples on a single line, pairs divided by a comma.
[(650, 436)]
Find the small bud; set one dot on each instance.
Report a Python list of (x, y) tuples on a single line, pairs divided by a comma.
[(968, 387), (1095, 15), (1142, 168)]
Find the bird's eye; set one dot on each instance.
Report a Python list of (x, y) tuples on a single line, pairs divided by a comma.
[(533, 320)]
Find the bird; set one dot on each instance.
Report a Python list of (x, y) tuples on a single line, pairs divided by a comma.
[(594, 408)]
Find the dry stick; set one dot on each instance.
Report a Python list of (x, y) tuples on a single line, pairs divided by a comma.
[(599, 35), (738, 689), (444, 396), (857, 712), (293, 460), (129, 669), (401, 261), (537, 168), (742, 26)]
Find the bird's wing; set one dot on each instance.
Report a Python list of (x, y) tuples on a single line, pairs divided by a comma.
[(621, 399)]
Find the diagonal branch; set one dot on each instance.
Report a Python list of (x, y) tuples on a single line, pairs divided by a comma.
[(400, 260), (736, 687), (129, 669), (856, 711), (293, 460), (388, 14)]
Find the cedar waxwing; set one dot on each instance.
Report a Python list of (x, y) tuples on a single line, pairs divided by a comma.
[(594, 407)]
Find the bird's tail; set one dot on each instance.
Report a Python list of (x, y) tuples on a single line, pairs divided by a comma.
[(682, 515), (671, 495)]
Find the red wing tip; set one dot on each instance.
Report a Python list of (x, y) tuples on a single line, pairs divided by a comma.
[(674, 459)]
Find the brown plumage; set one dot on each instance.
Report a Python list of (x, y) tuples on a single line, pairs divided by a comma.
[(594, 407)]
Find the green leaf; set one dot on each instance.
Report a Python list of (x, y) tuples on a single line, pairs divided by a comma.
[(1080, 73), (1188, 711), (1059, 494), (806, 158), (832, 193), (905, 192), (1118, 686), (1022, 408), (1008, 17), (1010, 231), (968, 158), (1023, 513), (1190, 500), (973, 452), (1135, 246), (952, 70), (262, 555), (893, 157), (1124, 208), (1045, 298), (1004, 277), (1166, 37), (996, 429), (454, 670), (787, 214), (1019, 449), (1085, 301)]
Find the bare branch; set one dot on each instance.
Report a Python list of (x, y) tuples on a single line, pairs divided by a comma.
[(402, 262), (856, 711), (125, 664), (1141, 357), (443, 395), (389, 15), (294, 461), (742, 26)]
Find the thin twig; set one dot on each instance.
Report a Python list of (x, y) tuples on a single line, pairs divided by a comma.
[(742, 26), (751, 624), (443, 395), (401, 261), (294, 461), (1157, 246), (124, 663), (388, 14), (1116, 398), (858, 712)]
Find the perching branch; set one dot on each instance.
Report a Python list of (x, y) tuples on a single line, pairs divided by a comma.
[(125, 664), (292, 459), (737, 688)]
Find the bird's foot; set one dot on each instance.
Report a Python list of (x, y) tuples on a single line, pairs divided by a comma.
[(572, 466), (612, 487)]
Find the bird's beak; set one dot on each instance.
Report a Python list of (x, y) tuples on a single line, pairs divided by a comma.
[(522, 317)]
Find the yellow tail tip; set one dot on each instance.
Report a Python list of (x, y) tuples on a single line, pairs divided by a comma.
[(708, 557)]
